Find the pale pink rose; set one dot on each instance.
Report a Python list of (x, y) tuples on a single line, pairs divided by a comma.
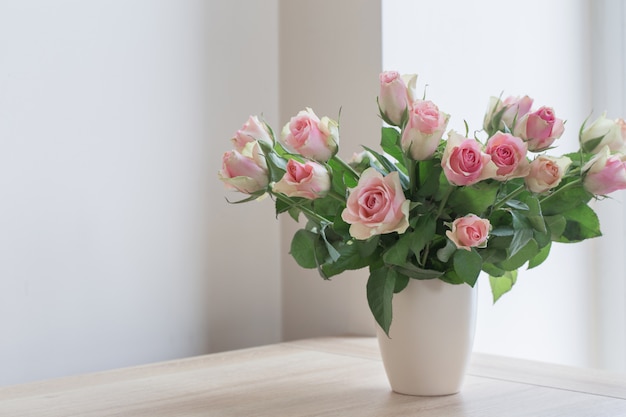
[(308, 180), (376, 206), (508, 152), (252, 130), (604, 132), (469, 231), (424, 129), (311, 137), (513, 108), (605, 173), (546, 173), (246, 172), (463, 161), (396, 93), (539, 128)]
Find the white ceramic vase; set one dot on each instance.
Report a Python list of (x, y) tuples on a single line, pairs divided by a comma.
[(431, 337)]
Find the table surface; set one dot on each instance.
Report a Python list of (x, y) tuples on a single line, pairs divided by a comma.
[(315, 377)]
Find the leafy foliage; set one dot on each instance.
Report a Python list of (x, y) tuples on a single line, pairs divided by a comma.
[(524, 224)]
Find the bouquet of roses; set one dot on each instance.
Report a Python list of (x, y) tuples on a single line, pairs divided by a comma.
[(425, 207)]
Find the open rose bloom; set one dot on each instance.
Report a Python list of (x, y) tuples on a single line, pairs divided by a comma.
[(311, 137), (431, 203), (307, 180), (469, 231), (377, 205)]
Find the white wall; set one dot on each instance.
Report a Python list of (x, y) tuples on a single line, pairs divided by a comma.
[(466, 52), (329, 60), (244, 254), (115, 245), (609, 92)]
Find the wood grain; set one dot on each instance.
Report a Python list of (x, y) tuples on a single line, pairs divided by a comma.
[(316, 377)]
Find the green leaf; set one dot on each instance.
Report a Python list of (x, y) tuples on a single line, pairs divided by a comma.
[(493, 270), (390, 142), (332, 252), (517, 205), (349, 259), (581, 223), (425, 229), (338, 177), (416, 272), (492, 256), (540, 257), (276, 164), (534, 213), (349, 180), (429, 173), (503, 284), (521, 257), (451, 277), (521, 237), (391, 166), (502, 231), (294, 213), (304, 246), (401, 282), (398, 253), (556, 225), (560, 202), (444, 254), (476, 199), (380, 287), (467, 265), (367, 247)]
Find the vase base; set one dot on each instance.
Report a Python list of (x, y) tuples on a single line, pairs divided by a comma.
[(425, 393)]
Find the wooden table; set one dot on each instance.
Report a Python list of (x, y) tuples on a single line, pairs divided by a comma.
[(316, 377)]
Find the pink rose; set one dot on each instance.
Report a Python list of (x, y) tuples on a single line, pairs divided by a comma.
[(540, 129), (308, 180), (246, 172), (546, 173), (513, 108), (252, 130), (469, 231), (396, 93), (311, 137), (464, 163), (605, 173), (376, 206), (423, 130), (509, 154)]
